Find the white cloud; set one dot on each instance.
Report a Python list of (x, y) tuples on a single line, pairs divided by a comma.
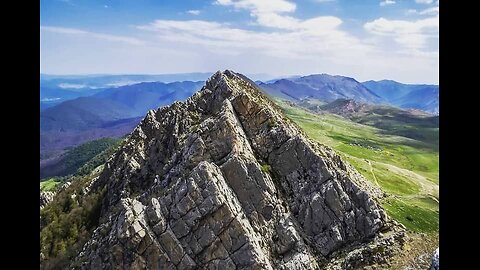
[(269, 13), (387, 2), (317, 35), (78, 32), (410, 34), (194, 12), (411, 11), (49, 99), (71, 86), (429, 11), (123, 83), (289, 45), (260, 6), (424, 1)]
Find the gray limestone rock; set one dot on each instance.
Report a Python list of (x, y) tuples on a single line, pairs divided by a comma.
[(189, 190), (46, 197), (435, 260)]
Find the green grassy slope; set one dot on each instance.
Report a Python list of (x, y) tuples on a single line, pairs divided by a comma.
[(49, 185), (404, 168)]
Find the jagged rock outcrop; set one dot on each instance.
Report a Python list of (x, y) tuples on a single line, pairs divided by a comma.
[(45, 198), (435, 260), (48, 196), (225, 181)]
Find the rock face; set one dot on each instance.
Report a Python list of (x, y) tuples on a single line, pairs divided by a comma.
[(45, 198), (345, 107), (48, 196), (225, 181), (435, 260)]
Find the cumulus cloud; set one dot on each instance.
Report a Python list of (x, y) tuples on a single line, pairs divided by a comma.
[(194, 12), (387, 2), (317, 35), (411, 34), (268, 13), (260, 6), (429, 11)]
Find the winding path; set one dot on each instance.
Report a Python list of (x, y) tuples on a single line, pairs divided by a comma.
[(371, 171)]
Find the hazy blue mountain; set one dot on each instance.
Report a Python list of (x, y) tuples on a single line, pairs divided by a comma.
[(53, 143), (279, 78), (139, 98), (111, 112), (108, 81), (321, 86), (82, 113), (289, 90), (55, 95), (114, 104), (415, 96), (47, 104)]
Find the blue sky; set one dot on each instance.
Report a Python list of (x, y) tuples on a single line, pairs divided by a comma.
[(368, 39)]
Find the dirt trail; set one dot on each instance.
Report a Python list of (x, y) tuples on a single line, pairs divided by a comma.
[(371, 171), (427, 187)]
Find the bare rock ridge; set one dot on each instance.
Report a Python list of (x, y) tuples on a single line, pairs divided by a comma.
[(225, 181)]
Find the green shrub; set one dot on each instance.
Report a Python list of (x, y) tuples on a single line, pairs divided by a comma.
[(266, 168), (271, 123)]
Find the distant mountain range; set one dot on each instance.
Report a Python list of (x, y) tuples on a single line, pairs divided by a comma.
[(110, 112), (323, 87), (108, 81), (77, 109), (51, 96), (97, 81), (409, 96), (327, 88)]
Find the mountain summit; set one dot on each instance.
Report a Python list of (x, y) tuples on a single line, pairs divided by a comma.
[(225, 181)]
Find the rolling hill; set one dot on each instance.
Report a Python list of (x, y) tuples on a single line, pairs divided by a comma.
[(412, 124)]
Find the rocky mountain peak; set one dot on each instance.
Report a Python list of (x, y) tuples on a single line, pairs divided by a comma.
[(225, 181)]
